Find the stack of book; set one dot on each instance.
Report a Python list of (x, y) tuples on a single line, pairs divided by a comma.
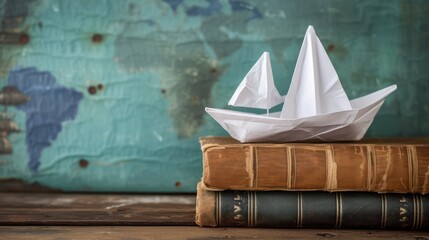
[(377, 184)]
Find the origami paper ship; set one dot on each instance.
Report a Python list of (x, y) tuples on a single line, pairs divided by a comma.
[(316, 107)]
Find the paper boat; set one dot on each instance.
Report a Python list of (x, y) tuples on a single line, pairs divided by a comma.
[(316, 107)]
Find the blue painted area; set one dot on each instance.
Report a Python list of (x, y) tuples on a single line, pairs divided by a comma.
[(174, 3), (49, 107), (237, 5), (213, 8)]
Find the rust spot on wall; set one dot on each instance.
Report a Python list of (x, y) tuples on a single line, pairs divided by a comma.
[(14, 38), (24, 38), (100, 87), (92, 90), (97, 38), (83, 163), (178, 184), (331, 47)]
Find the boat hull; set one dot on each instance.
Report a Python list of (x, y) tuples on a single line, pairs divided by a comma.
[(349, 125)]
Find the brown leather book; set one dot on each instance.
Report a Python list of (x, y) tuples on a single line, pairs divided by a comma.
[(378, 165)]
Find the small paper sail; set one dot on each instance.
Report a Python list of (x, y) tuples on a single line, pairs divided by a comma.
[(316, 107), (7, 125), (11, 96), (257, 89), (5, 146)]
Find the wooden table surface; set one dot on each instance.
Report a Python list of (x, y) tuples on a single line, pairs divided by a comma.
[(139, 216)]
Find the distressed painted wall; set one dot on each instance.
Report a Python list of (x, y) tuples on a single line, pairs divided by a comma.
[(117, 89)]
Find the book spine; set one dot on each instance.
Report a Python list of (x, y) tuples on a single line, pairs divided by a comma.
[(281, 209), (332, 167)]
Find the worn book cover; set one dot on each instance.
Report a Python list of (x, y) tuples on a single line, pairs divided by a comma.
[(383, 165), (313, 209)]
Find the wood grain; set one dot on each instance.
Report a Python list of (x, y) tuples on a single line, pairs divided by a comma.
[(116, 211), (192, 233), (96, 209)]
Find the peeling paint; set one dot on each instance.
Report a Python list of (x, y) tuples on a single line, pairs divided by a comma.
[(13, 15), (186, 71)]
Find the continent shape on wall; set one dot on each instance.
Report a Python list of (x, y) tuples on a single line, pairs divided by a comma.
[(50, 105)]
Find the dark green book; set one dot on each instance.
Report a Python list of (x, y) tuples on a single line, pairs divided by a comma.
[(282, 209)]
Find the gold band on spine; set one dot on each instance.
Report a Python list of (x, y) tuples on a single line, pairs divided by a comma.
[(255, 168), (383, 211), (421, 211), (293, 168), (289, 167), (251, 206), (341, 211), (299, 220), (251, 165), (414, 211), (413, 177), (418, 211), (331, 169), (337, 210), (249, 211), (218, 208), (255, 210), (371, 168), (410, 168)]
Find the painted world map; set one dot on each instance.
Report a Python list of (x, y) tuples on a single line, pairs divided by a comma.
[(117, 89)]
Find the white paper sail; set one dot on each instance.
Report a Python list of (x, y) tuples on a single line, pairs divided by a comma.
[(315, 87), (316, 107), (257, 89)]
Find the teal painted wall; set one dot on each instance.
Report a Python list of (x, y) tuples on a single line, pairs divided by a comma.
[(118, 88)]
